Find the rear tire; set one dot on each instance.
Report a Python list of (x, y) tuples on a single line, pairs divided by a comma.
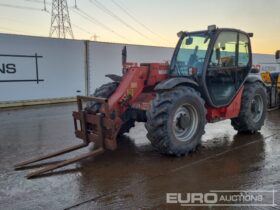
[(176, 121), (105, 91), (253, 109)]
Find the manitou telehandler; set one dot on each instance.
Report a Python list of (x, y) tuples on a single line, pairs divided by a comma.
[(209, 79)]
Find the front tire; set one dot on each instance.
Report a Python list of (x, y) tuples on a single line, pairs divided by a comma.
[(253, 109), (176, 121)]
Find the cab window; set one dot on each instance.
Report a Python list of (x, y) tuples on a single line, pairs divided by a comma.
[(228, 67), (243, 54), (224, 54), (220, 75)]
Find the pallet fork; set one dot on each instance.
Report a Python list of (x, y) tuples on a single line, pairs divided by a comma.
[(98, 128)]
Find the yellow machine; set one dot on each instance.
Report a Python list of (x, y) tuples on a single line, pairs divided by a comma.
[(272, 81), (268, 78)]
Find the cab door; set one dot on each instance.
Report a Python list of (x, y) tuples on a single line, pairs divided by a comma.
[(228, 66)]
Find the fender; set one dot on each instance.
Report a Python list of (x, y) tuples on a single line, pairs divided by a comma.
[(173, 82), (254, 78), (114, 77)]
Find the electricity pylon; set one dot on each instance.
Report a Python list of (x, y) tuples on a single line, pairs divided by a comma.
[(60, 20)]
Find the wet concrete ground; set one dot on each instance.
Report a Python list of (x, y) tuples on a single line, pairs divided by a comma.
[(135, 176)]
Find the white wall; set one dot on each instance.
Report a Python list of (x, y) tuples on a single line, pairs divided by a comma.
[(62, 64), (61, 67)]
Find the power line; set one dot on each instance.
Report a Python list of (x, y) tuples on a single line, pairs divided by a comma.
[(10, 29), (86, 16), (78, 11), (109, 12), (20, 7), (44, 2), (39, 1), (97, 22), (13, 20), (136, 20), (82, 29), (16, 31)]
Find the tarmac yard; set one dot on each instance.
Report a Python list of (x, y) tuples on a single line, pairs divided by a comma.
[(135, 176)]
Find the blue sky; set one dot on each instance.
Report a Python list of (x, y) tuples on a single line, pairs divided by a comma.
[(150, 22)]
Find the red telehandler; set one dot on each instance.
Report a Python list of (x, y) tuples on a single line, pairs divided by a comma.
[(210, 78)]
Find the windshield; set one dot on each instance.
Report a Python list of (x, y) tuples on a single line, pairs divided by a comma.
[(191, 53)]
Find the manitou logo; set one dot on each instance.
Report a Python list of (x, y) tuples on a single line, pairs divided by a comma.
[(9, 68)]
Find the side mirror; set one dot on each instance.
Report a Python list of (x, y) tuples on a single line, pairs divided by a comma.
[(277, 55), (189, 41), (255, 70), (250, 35)]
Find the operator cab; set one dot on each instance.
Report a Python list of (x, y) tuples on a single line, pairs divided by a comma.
[(218, 59)]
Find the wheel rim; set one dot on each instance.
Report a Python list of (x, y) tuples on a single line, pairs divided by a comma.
[(257, 108), (185, 122)]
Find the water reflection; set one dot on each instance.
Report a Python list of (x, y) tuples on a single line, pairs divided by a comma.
[(237, 165)]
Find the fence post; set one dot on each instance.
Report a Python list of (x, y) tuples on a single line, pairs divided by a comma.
[(87, 69)]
